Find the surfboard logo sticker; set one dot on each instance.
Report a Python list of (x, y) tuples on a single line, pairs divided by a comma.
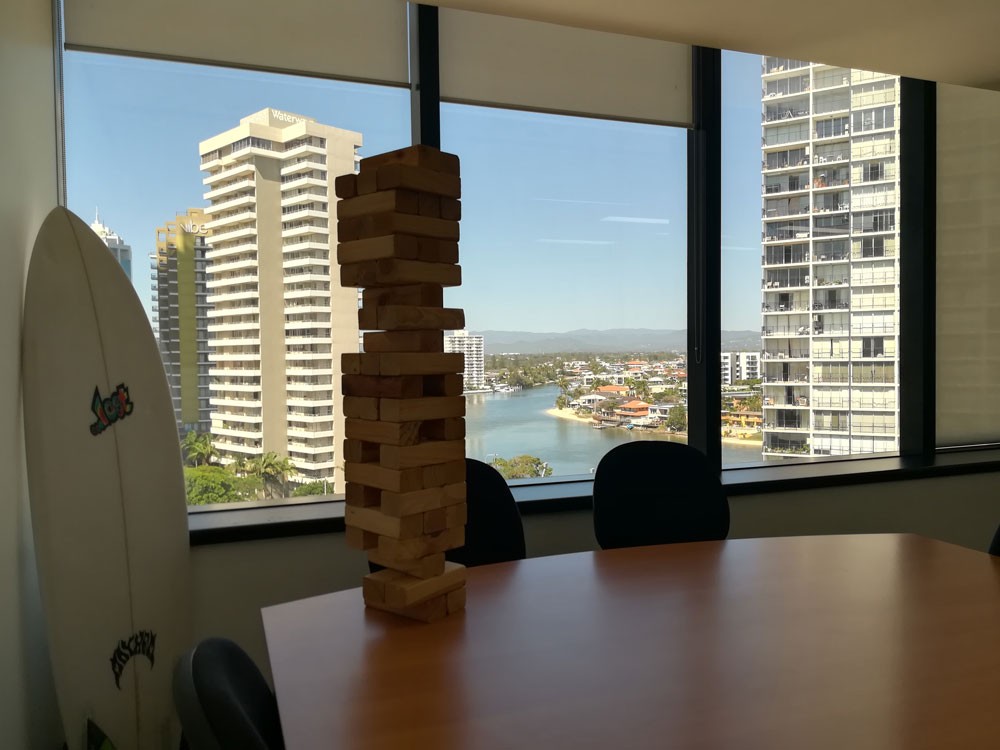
[(140, 643), (109, 410)]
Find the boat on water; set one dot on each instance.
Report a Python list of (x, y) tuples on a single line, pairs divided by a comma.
[(504, 388)]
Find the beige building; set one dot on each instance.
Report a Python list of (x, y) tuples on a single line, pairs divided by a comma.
[(180, 316), (830, 276), (278, 324)]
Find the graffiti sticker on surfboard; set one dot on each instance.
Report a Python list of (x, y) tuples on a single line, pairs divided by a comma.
[(109, 410), (141, 643)]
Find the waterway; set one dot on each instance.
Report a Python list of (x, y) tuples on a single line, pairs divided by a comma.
[(512, 424)]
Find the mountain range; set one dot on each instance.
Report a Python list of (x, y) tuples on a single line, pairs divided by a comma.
[(587, 340)]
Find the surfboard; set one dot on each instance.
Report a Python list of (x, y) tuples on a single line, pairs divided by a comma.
[(106, 492)]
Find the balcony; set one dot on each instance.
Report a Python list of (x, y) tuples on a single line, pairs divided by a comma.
[(227, 219), (230, 187), (250, 230), (246, 167)]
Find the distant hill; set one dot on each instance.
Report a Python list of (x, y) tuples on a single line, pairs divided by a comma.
[(612, 340)]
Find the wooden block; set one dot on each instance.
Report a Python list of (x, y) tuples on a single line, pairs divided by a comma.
[(367, 318), (419, 409), (417, 155), (359, 364), (413, 363), (393, 222), (396, 272), (373, 585), (420, 179), (420, 295), (429, 611), (361, 496), (360, 452), (367, 183), (452, 384), (455, 601), (359, 538), (412, 318), (403, 201), (405, 591), (346, 185), (440, 475), (392, 433), (451, 209), (430, 205), (423, 567), (373, 520), (359, 407), (406, 341), (443, 429), (394, 480), (421, 501), (398, 386), (403, 246), (446, 518), (422, 454), (421, 546)]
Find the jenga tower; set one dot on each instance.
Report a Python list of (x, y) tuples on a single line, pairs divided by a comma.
[(403, 403)]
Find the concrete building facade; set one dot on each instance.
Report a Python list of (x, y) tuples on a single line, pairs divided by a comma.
[(830, 259), (118, 247), (278, 323), (180, 316), (738, 366), (474, 376)]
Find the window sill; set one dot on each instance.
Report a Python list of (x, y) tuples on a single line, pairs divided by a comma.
[(253, 521)]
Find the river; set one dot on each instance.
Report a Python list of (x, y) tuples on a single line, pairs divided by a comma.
[(511, 424)]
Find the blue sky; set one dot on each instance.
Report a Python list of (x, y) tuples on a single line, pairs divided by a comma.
[(567, 222)]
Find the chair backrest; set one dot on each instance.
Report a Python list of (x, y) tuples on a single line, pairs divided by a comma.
[(494, 532), (995, 544), (223, 701), (657, 492)]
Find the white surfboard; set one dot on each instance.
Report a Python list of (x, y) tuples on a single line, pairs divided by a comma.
[(107, 492)]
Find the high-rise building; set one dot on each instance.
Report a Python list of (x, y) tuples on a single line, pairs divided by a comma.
[(118, 247), (830, 276), (180, 316), (278, 325), (474, 376), (737, 366)]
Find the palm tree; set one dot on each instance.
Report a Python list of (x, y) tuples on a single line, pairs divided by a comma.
[(273, 470), (198, 449)]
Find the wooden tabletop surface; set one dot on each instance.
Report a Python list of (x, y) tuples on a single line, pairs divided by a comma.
[(878, 641)]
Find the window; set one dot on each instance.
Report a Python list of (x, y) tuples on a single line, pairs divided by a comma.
[(240, 216), (573, 260)]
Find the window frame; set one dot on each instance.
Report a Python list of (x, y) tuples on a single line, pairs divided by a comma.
[(918, 457)]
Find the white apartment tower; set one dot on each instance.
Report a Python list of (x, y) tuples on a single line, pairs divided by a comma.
[(471, 346), (830, 260), (278, 323), (118, 247), (737, 366)]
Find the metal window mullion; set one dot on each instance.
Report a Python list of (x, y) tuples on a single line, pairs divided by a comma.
[(425, 79)]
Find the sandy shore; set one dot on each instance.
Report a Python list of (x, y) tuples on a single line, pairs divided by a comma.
[(572, 416)]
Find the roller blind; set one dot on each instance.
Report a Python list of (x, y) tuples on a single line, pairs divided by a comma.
[(362, 40), (968, 266), (510, 62)]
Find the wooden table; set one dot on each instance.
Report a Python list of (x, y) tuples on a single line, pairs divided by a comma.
[(881, 641)]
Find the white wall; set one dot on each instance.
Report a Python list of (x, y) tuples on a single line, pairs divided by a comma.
[(233, 581), (28, 717)]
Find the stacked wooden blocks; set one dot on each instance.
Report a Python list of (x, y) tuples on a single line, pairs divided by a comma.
[(403, 405)]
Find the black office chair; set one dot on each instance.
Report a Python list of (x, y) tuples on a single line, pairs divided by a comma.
[(493, 531), (223, 701), (995, 544), (657, 492)]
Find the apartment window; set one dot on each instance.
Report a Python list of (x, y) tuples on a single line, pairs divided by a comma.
[(260, 397), (873, 171), (573, 259), (874, 119)]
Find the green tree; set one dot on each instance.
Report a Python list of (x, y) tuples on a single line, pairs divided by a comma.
[(311, 488), (205, 485), (562, 401), (273, 472), (522, 467), (677, 419), (198, 449)]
